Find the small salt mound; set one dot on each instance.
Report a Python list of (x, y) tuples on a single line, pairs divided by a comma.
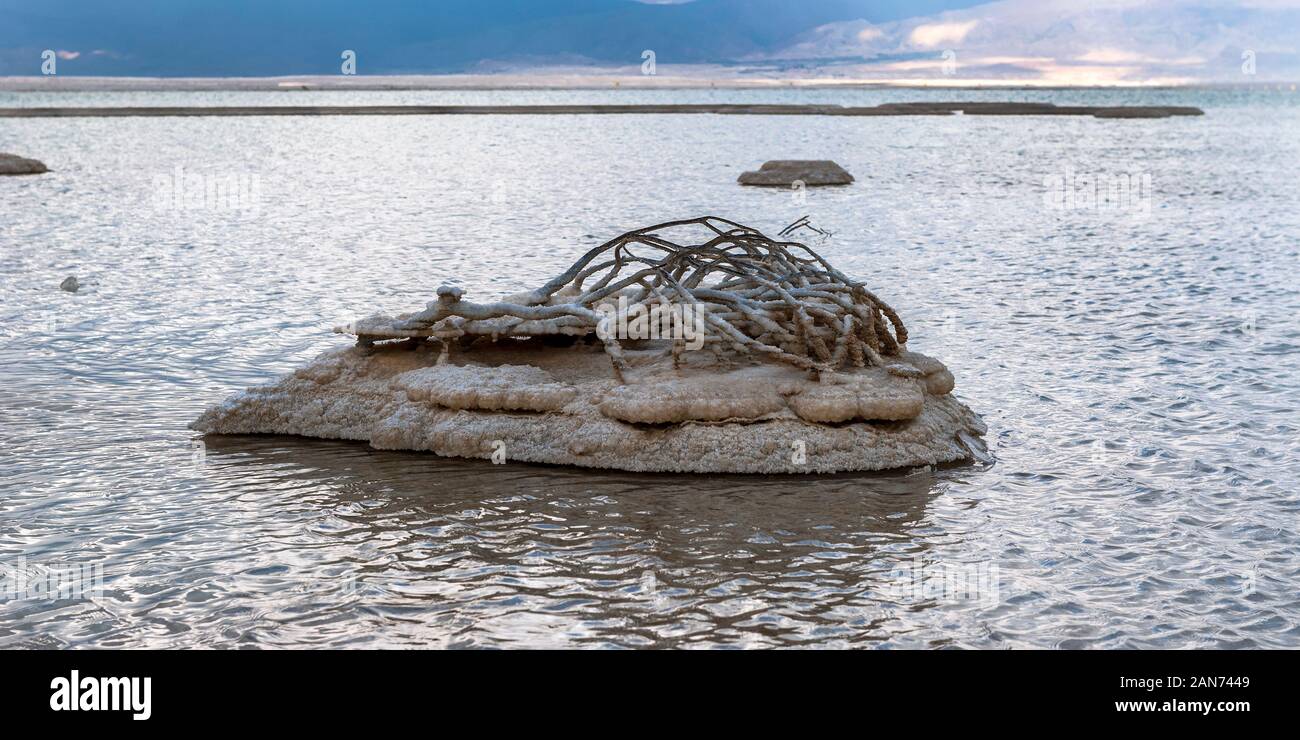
[(786, 172), (12, 164), (934, 374), (503, 388), (695, 399), (877, 396)]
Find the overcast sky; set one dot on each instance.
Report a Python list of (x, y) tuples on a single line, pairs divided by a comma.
[(1043, 41)]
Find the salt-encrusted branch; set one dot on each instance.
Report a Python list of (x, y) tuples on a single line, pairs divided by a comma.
[(759, 295)]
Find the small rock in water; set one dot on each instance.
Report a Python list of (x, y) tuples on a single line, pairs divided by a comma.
[(12, 164), (70, 284), (785, 172)]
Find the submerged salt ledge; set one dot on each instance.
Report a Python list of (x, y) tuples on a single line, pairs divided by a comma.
[(798, 370), (396, 397)]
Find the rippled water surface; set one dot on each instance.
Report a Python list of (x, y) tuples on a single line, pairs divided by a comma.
[(1137, 370)]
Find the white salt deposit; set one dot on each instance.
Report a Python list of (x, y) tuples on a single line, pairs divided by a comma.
[(797, 370)]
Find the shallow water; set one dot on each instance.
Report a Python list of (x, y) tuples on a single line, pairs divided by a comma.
[(1136, 367)]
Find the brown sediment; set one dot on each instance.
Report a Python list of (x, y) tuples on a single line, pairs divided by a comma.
[(741, 109)]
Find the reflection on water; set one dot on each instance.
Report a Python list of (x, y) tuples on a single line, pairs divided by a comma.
[(477, 553), (1136, 370)]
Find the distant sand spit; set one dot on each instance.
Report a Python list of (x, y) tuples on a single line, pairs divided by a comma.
[(887, 109)]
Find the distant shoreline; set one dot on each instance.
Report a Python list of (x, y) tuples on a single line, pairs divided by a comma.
[(550, 81), (886, 109)]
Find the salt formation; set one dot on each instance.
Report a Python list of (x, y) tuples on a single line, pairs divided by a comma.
[(12, 164), (734, 353), (786, 172)]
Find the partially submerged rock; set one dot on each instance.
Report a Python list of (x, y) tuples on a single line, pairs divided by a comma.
[(12, 164), (797, 368), (786, 172)]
